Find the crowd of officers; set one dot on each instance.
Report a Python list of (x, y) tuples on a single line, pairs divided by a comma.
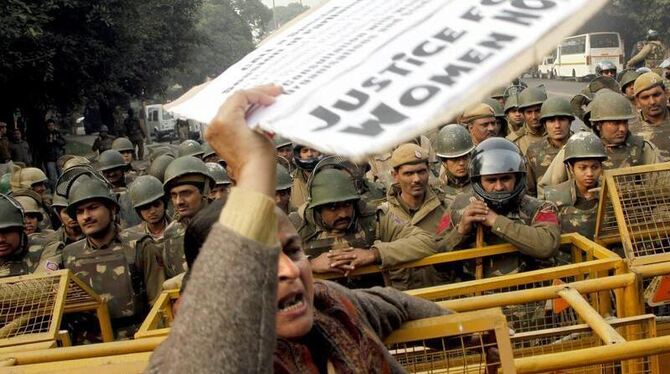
[(515, 168)]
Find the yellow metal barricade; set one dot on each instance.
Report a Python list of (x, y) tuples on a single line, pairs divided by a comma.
[(160, 317), (475, 342), (32, 306)]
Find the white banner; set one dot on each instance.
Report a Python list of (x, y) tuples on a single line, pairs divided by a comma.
[(361, 76)]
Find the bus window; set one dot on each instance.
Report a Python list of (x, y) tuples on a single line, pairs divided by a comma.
[(604, 41), (574, 46)]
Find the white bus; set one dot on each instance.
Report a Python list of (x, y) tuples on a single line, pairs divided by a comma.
[(577, 56)]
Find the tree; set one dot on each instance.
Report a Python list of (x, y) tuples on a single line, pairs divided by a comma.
[(255, 14), (65, 52), (285, 13), (225, 39)]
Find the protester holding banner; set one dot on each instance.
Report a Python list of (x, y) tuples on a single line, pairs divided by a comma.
[(275, 316)]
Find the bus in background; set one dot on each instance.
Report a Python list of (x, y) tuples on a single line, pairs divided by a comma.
[(577, 56)]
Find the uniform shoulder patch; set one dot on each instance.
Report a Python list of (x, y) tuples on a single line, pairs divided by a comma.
[(51, 266)]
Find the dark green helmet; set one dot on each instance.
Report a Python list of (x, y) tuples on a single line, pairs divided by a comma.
[(218, 173), (453, 141), (110, 159), (162, 150), (498, 156), (556, 107), (207, 150), (30, 202), (284, 180), (185, 166), (12, 212), (498, 93), (532, 96), (158, 166), (628, 78), (58, 202), (123, 145), (279, 142), (584, 145), (511, 102), (189, 148), (608, 105), (145, 190), (497, 108), (329, 186), (86, 188)]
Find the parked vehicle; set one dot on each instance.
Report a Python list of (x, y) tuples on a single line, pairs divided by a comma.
[(160, 123), (577, 56)]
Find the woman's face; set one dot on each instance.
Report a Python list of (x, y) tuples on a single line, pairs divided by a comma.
[(295, 285)]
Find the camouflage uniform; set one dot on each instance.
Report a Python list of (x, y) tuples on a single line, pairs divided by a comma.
[(451, 186), (36, 257), (634, 151), (174, 259), (529, 227), (576, 214), (115, 271), (658, 134), (539, 155), (653, 53), (526, 136), (396, 242)]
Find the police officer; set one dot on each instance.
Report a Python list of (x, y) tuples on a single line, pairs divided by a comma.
[(135, 132), (651, 98), (341, 233), (513, 114), (610, 113), (19, 255), (108, 259), (305, 159), (222, 183), (32, 211), (606, 68), (481, 122), (209, 155), (284, 147), (103, 141), (410, 199), (498, 203), (454, 147), (577, 198), (190, 148), (530, 102), (33, 179), (499, 95), (187, 182), (651, 55), (283, 189), (149, 201), (127, 150), (113, 167), (69, 230), (626, 82), (556, 117), (581, 101), (500, 116)]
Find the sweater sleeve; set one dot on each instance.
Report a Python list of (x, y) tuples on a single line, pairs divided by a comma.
[(226, 323), (385, 308)]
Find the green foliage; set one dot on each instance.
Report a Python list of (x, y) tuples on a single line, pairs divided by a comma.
[(225, 38), (58, 53), (255, 14), (285, 13)]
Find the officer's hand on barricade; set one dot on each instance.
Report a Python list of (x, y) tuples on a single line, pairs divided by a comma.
[(250, 154), (475, 212), (350, 259), (322, 264)]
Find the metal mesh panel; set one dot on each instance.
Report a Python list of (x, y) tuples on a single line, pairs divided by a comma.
[(459, 354), (579, 337), (645, 205), (27, 306)]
